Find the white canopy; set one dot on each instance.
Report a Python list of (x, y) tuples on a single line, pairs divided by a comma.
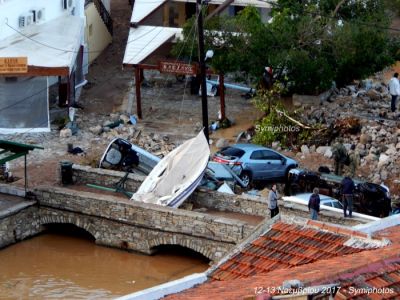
[(255, 3), (144, 40), (52, 44), (143, 8)]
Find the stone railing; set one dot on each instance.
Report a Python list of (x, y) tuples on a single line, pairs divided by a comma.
[(145, 215)]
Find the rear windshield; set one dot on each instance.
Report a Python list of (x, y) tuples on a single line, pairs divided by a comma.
[(231, 151)]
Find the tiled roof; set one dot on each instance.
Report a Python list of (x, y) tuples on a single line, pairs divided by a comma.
[(319, 272), (284, 246)]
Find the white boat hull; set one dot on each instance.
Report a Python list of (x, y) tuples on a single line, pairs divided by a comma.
[(177, 175)]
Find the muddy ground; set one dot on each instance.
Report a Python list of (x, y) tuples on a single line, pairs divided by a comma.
[(168, 109)]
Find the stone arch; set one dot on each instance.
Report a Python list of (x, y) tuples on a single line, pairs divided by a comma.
[(78, 222), (179, 241)]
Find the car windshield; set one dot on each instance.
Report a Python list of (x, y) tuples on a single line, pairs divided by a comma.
[(231, 152)]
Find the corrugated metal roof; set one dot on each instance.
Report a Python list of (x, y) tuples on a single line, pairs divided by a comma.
[(144, 40), (52, 44)]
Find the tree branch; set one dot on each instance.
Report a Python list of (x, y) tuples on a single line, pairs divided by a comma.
[(338, 7)]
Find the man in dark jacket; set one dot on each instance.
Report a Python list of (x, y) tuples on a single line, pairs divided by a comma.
[(273, 201), (313, 204), (347, 195)]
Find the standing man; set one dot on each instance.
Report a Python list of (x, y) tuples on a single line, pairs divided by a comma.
[(347, 195), (394, 90), (273, 201), (313, 204), (340, 156), (354, 160)]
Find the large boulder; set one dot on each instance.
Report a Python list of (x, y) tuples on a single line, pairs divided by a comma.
[(96, 129), (374, 95), (65, 133), (328, 152), (384, 160), (222, 143), (305, 150), (322, 149), (365, 138)]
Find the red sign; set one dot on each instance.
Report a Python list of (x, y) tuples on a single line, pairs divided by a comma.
[(177, 68)]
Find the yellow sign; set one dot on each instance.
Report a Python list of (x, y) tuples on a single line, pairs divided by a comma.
[(13, 65)]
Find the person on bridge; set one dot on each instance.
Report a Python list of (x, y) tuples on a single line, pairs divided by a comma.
[(347, 188), (313, 204), (273, 201)]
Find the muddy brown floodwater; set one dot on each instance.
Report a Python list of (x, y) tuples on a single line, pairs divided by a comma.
[(54, 266)]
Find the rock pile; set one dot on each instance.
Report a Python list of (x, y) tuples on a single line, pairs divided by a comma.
[(378, 143)]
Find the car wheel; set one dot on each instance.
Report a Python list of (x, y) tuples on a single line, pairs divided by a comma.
[(246, 178)]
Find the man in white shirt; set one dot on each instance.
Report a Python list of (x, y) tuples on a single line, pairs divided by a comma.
[(394, 90)]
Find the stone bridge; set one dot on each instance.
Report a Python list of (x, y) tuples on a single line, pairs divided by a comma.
[(121, 223)]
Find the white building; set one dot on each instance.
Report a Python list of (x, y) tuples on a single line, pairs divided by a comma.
[(51, 35)]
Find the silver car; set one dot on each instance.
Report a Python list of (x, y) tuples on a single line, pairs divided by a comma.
[(254, 163)]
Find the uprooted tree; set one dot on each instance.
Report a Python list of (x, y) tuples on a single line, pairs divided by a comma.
[(310, 43)]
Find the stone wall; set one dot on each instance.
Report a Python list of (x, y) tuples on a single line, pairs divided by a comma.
[(245, 204), (139, 226), (84, 174), (18, 225)]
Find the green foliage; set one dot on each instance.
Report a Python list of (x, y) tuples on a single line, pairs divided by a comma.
[(309, 43)]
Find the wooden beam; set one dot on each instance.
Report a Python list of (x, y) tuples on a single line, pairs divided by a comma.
[(138, 96), (40, 71), (219, 9)]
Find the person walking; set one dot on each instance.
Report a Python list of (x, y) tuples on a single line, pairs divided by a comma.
[(313, 204), (273, 201), (394, 90), (347, 188), (340, 156)]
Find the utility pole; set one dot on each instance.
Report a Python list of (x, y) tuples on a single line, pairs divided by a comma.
[(204, 104)]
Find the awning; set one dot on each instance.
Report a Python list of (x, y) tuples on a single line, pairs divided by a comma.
[(142, 8), (12, 150), (53, 45), (144, 40)]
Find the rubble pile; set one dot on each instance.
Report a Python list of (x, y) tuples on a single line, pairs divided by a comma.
[(120, 126), (378, 141)]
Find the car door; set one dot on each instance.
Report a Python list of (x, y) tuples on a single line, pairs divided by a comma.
[(256, 164), (273, 165)]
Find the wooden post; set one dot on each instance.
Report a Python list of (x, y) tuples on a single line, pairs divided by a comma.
[(138, 98), (222, 95)]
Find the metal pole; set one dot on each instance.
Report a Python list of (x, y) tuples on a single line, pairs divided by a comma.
[(204, 104), (26, 176)]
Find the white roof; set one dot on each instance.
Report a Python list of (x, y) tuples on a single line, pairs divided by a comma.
[(51, 44), (143, 8), (256, 3), (144, 40)]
